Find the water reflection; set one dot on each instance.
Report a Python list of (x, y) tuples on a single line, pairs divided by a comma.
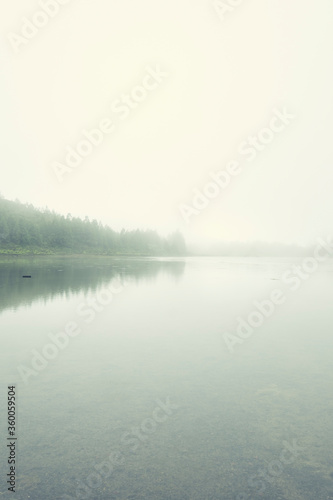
[(51, 277)]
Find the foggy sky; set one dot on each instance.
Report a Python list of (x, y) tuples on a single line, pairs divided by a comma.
[(225, 77)]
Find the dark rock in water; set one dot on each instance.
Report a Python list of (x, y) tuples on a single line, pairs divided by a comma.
[(26, 276)]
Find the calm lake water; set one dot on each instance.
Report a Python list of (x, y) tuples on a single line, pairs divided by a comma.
[(143, 398)]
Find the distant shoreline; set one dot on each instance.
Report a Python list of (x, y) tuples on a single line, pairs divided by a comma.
[(88, 255)]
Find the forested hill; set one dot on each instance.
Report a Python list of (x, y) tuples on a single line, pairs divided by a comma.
[(27, 230)]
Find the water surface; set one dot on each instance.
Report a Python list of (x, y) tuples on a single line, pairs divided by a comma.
[(151, 332)]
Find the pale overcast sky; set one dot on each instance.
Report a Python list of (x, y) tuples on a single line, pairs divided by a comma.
[(221, 78)]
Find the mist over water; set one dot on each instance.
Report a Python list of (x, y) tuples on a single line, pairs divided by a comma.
[(160, 340), (166, 250)]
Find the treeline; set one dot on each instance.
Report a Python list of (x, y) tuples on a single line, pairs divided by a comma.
[(25, 229)]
